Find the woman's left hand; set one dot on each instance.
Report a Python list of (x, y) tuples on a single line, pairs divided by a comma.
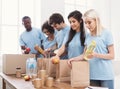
[(92, 55), (69, 62)]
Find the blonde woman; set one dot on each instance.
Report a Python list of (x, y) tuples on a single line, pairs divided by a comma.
[(101, 71)]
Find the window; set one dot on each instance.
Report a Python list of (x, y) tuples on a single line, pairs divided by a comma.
[(11, 13), (81, 5)]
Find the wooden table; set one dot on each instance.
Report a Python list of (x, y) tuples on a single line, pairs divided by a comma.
[(20, 83)]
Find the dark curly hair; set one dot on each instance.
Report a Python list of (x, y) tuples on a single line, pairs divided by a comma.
[(48, 27)]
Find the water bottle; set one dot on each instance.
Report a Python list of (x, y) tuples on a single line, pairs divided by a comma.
[(31, 66)]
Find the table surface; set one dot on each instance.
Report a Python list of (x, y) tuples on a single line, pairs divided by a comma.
[(20, 83)]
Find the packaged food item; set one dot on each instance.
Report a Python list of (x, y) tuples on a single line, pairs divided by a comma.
[(89, 49), (49, 82), (39, 49), (18, 72)]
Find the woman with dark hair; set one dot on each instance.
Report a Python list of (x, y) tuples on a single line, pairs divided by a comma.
[(48, 44), (74, 42)]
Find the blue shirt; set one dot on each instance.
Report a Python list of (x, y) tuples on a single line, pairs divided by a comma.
[(101, 69), (74, 47), (48, 44), (59, 37), (31, 38)]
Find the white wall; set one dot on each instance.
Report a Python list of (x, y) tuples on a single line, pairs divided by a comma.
[(115, 25), (49, 7), (0, 21), (103, 9), (110, 16)]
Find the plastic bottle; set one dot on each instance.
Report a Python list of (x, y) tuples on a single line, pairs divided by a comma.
[(31, 66), (90, 49)]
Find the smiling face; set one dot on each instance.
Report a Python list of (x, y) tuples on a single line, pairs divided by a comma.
[(90, 24), (46, 32), (47, 29), (75, 25)]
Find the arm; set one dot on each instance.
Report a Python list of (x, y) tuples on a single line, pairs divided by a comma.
[(23, 50), (109, 55), (23, 47), (50, 51), (60, 51), (78, 58), (40, 50), (54, 47)]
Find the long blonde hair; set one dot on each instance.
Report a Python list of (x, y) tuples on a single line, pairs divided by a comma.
[(94, 15)]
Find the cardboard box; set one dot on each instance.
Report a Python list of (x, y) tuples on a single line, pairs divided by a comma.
[(80, 74), (12, 61)]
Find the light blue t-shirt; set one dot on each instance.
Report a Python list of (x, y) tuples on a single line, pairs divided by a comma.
[(59, 37), (48, 44), (74, 47), (31, 38), (101, 69)]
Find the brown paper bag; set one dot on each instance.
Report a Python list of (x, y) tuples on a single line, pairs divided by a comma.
[(46, 64), (42, 63), (80, 74), (61, 70), (64, 71), (52, 69)]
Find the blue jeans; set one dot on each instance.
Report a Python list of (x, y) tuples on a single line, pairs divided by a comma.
[(103, 83)]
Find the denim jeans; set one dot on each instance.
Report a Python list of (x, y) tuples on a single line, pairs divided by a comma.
[(103, 83)]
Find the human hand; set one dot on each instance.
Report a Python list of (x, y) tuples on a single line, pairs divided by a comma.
[(91, 55), (40, 50), (27, 50), (70, 62), (49, 52)]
